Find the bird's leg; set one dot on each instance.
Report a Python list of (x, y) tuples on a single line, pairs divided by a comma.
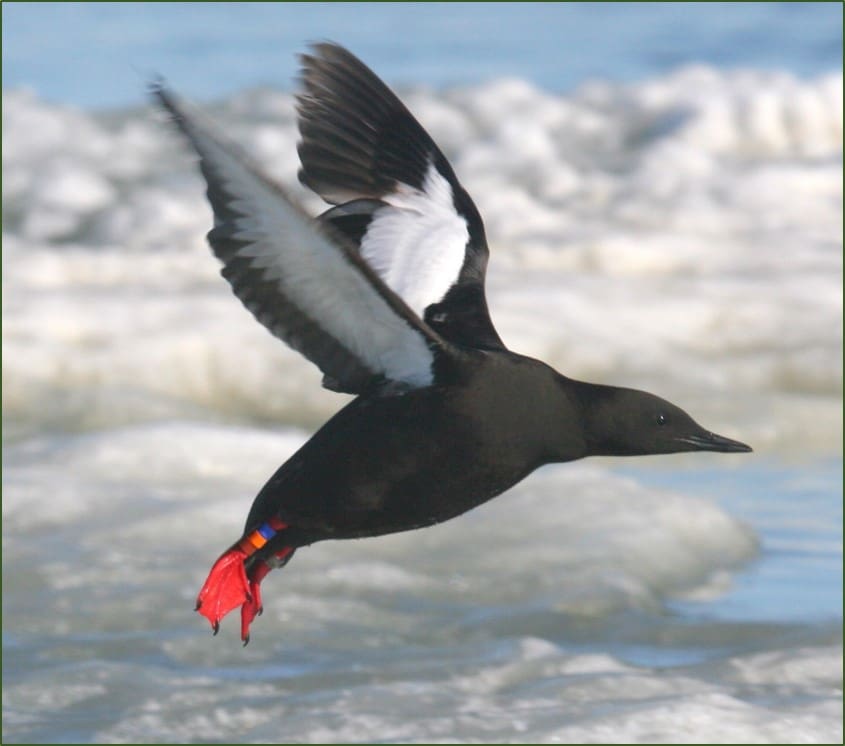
[(258, 570), (228, 586)]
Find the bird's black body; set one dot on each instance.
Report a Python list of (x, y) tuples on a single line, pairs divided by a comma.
[(384, 292), (474, 443)]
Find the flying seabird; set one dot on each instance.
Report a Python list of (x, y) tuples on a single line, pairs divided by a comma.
[(384, 293)]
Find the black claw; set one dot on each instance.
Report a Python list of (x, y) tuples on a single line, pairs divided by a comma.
[(197, 607), (246, 640), (260, 611), (216, 627)]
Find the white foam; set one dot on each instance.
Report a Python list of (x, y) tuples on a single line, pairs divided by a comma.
[(524, 695), (683, 233)]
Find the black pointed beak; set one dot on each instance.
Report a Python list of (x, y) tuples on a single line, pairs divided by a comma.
[(707, 441)]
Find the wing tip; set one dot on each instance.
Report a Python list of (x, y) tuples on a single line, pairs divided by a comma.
[(161, 94), (158, 90)]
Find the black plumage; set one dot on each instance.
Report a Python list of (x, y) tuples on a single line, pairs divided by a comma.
[(385, 294)]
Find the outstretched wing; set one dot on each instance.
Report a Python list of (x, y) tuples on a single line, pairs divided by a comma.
[(397, 196), (302, 278)]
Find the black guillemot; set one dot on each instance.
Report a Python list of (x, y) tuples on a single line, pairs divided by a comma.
[(384, 292)]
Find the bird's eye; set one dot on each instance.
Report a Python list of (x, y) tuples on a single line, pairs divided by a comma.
[(662, 419)]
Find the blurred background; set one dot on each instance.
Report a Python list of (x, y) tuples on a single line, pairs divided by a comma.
[(93, 54), (662, 189)]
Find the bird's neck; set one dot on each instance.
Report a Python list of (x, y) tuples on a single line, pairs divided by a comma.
[(594, 404)]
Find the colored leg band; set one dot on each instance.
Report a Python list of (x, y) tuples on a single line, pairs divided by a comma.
[(252, 542)]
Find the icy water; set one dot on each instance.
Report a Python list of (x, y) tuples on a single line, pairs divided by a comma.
[(661, 215)]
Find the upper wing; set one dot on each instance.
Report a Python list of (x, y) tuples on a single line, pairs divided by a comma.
[(302, 278), (397, 195)]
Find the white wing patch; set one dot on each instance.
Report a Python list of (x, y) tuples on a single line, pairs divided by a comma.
[(311, 270), (417, 242)]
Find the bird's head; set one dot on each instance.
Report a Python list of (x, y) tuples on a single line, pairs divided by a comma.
[(627, 422)]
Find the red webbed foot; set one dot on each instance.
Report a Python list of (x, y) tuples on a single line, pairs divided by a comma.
[(225, 589), (228, 585)]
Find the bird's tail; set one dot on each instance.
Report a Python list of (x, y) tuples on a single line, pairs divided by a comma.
[(235, 578)]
